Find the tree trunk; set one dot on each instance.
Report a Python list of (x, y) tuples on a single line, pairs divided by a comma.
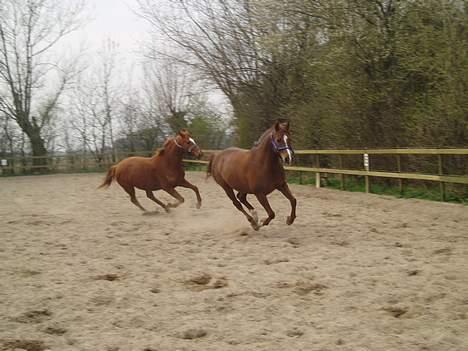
[(38, 149)]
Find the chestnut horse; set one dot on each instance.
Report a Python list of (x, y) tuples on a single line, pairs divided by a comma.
[(162, 171), (258, 171)]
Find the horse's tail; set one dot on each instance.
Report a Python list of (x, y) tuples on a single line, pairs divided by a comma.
[(109, 177), (208, 169)]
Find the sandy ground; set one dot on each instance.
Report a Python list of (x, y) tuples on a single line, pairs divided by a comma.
[(83, 269)]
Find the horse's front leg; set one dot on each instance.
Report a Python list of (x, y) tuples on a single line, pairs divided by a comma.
[(171, 191), (287, 193), (186, 184), (266, 205)]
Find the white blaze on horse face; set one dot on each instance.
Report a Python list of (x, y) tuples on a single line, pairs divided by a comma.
[(285, 138), (192, 146)]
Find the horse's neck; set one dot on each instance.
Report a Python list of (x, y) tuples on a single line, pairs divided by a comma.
[(172, 156), (264, 152)]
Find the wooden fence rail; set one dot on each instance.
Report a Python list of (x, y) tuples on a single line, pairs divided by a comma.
[(82, 162), (366, 172)]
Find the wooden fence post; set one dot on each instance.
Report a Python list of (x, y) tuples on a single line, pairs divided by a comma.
[(342, 179), (400, 181), (317, 175), (441, 172), (366, 166)]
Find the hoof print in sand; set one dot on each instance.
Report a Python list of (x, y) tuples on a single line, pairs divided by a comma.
[(275, 261), (35, 316), (294, 242), (18, 344), (396, 311), (55, 330), (294, 333), (194, 333), (443, 251), (202, 281), (413, 272), (108, 276), (220, 283), (303, 288)]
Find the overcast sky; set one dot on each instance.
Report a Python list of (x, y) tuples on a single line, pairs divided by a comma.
[(109, 20), (116, 20)]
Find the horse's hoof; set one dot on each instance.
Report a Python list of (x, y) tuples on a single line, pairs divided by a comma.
[(255, 227), (289, 220), (198, 205), (167, 209)]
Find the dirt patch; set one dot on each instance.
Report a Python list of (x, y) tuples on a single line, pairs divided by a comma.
[(35, 316), (82, 269), (28, 345)]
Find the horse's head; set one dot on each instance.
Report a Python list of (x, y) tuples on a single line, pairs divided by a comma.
[(186, 142), (281, 141)]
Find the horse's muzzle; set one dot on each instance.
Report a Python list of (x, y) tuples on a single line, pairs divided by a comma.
[(197, 153), (286, 157)]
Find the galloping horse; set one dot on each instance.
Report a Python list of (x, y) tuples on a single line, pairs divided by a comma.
[(162, 171), (258, 171)]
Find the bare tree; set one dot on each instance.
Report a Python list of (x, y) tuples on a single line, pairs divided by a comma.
[(29, 30), (95, 104), (217, 38), (143, 128), (106, 89), (169, 86), (89, 121), (228, 43), (8, 136)]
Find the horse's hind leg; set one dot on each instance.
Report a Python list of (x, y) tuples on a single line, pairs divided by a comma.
[(131, 191), (185, 184), (151, 196), (286, 192), (230, 193), (243, 199), (176, 195), (266, 205)]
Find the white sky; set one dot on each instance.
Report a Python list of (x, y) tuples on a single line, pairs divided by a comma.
[(106, 20), (116, 20)]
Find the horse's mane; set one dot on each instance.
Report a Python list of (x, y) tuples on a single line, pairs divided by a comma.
[(265, 134), (160, 151), (268, 132)]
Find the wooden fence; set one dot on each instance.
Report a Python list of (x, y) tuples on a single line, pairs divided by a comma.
[(367, 171), (71, 163)]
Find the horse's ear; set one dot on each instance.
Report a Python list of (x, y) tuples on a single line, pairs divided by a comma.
[(282, 124), (184, 133)]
